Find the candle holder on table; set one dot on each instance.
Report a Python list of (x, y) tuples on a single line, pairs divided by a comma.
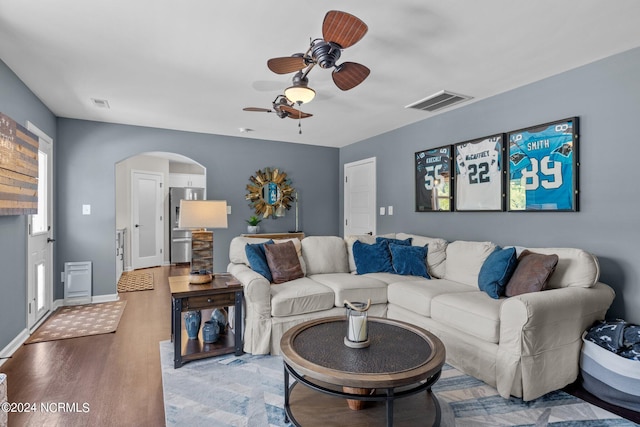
[(357, 327)]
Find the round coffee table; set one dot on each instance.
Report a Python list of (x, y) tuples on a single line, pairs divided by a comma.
[(401, 361)]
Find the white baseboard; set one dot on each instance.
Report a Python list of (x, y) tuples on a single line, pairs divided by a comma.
[(13, 345), (104, 298)]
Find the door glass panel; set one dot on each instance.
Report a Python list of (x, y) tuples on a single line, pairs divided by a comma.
[(41, 283), (39, 223), (147, 217)]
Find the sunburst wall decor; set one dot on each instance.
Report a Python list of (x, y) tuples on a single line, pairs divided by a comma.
[(268, 191)]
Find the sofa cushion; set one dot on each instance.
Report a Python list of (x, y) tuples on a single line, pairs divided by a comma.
[(364, 238), (437, 252), (237, 253), (283, 262), (532, 273), (391, 277), (416, 295), (496, 271), (409, 260), (353, 287), (372, 258), (473, 313), (325, 254), (300, 296), (576, 268), (298, 245), (258, 259), (465, 259)]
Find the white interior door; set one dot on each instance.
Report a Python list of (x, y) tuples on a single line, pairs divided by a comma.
[(360, 197), (39, 241), (147, 231)]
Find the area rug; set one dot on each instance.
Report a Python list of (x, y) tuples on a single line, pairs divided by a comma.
[(135, 281), (79, 321), (247, 391)]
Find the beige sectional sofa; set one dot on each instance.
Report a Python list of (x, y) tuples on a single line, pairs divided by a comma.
[(525, 346)]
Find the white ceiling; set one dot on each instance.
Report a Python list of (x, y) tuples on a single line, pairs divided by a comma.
[(193, 65)]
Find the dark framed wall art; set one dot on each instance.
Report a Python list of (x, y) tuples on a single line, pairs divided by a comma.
[(434, 192), (543, 167), (478, 174)]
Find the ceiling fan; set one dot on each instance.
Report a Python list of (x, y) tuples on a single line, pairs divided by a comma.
[(283, 108), (340, 30)]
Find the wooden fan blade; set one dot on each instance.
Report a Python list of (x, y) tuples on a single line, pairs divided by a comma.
[(262, 110), (349, 75), (286, 64), (295, 114), (343, 28)]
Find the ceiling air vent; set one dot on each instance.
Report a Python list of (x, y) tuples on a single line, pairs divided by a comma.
[(100, 103), (438, 101)]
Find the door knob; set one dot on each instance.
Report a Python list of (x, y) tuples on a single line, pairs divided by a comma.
[(49, 240), (138, 225)]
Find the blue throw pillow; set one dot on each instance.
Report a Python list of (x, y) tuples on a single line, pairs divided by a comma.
[(409, 260), (496, 271), (258, 259), (373, 258), (405, 242)]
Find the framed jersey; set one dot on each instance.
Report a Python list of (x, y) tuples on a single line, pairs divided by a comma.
[(479, 169), (543, 167), (434, 192)]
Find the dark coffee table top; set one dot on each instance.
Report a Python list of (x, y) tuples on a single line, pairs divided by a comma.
[(399, 354)]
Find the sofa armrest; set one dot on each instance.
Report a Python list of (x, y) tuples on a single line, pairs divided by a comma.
[(540, 335), (257, 306), (257, 289)]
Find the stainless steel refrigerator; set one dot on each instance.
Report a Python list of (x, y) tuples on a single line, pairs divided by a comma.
[(180, 238)]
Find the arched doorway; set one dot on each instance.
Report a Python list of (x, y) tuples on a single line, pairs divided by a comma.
[(133, 175)]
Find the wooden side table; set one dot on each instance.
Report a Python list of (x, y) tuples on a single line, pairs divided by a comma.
[(223, 291)]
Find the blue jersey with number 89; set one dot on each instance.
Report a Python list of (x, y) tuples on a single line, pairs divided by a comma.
[(542, 161)]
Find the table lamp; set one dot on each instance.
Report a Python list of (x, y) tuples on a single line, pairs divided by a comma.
[(202, 214)]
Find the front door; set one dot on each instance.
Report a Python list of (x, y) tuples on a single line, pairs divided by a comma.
[(360, 197), (147, 235), (39, 241)]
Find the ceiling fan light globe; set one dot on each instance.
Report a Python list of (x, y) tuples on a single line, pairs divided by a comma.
[(299, 94)]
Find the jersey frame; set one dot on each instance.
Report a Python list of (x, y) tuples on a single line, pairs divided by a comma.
[(541, 184), (433, 181), (470, 200)]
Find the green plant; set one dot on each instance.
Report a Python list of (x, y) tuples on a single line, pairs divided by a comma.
[(253, 220)]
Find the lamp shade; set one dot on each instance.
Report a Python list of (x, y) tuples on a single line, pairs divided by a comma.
[(299, 94), (203, 214)]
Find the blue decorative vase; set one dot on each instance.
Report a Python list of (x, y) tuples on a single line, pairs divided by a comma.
[(210, 331), (220, 316), (192, 321)]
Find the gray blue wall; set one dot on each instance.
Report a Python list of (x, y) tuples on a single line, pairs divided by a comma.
[(606, 97), (19, 103), (87, 152)]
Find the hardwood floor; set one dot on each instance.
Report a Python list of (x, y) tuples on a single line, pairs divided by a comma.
[(117, 375)]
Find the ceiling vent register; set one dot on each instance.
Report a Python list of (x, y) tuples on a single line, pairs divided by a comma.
[(438, 101)]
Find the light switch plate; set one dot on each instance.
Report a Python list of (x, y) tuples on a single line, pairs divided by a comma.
[(228, 210), (382, 210), (86, 209), (390, 210)]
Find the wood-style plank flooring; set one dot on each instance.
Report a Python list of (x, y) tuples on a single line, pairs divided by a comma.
[(118, 375)]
